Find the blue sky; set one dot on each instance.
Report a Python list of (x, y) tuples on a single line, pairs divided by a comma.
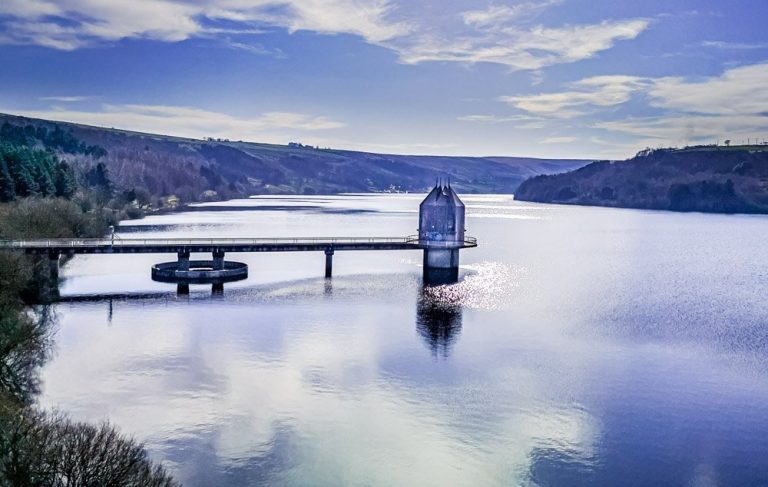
[(542, 78)]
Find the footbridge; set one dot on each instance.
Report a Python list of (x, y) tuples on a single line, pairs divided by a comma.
[(219, 247), (185, 245), (441, 236)]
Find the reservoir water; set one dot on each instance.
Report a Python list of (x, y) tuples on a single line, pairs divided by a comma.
[(582, 346)]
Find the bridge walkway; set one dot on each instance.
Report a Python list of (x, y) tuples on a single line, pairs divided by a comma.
[(186, 245)]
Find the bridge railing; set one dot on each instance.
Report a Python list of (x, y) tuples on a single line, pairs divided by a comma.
[(60, 243), (127, 242)]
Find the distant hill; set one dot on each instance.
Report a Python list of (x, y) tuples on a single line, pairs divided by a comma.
[(710, 179), (193, 169)]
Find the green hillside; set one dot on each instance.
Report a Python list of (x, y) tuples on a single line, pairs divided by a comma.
[(704, 178), (194, 170)]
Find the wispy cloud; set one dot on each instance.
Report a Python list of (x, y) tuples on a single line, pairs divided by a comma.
[(686, 129), (66, 99), (519, 48), (192, 122), (737, 91), (495, 118), (498, 34), (253, 48), (733, 105), (558, 140), (600, 91), (735, 45), (498, 15), (72, 24)]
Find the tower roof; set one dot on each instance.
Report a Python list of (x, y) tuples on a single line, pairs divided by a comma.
[(442, 195)]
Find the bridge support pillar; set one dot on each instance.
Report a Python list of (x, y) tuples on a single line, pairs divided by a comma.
[(328, 261), (441, 266), (182, 289), (218, 260), (50, 291), (183, 256), (53, 267)]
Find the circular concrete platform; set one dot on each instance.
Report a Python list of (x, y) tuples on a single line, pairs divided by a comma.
[(200, 272)]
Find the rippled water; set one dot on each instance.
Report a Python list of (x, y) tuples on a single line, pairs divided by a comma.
[(582, 346)]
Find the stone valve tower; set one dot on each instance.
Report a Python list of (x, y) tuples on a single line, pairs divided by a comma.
[(441, 234)]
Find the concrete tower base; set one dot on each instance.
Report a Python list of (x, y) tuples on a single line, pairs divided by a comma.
[(441, 266)]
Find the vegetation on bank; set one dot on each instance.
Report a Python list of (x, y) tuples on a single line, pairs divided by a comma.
[(44, 197), (37, 447), (706, 178)]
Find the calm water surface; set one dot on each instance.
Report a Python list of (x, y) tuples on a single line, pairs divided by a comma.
[(582, 346)]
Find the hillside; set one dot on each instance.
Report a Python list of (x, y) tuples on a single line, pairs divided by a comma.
[(193, 169), (705, 178)]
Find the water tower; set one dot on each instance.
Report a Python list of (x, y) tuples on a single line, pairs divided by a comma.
[(441, 234)]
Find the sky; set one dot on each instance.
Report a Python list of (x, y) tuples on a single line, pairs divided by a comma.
[(598, 79)]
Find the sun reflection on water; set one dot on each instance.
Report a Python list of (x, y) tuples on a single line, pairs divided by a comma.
[(486, 286)]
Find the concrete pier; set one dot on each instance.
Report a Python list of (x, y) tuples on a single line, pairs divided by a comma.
[(441, 266), (183, 257), (218, 260), (53, 267), (329, 262), (50, 288), (441, 258)]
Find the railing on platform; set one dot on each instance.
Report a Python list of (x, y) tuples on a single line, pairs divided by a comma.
[(467, 242)]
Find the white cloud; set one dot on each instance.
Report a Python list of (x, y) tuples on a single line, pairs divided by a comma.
[(367, 18), (492, 15), (519, 48), (733, 105), (29, 8), (257, 49), (192, 122), (686, 129), (735, 45), (495, 35), (601, 91), (521, 122), (558, 140), (737, 91), (497, 15), (65, 99), (495, 118), (89, 22)]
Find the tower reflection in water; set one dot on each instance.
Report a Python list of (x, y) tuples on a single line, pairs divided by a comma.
[(438, 321)]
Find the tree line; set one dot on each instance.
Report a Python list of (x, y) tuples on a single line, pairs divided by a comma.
[(30, 172), (54, 139), (42, 196), (29, 165)]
